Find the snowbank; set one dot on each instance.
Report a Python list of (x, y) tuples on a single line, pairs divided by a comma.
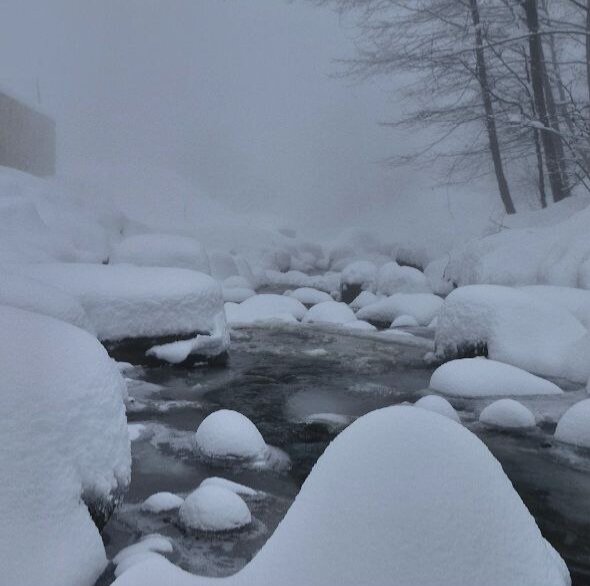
[(214, 508), (404, 495), (161, 250), (309, 296), (330, 312), (507, 414), (393, 278), (422, 306), (574, 425), (515, 327), (264, 307), (480, 377), (228, 434), (438, 405), (64, 437)]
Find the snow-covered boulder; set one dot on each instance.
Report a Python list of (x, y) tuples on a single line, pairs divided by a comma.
[(511, 326), (405, 321), (228, 434), (237, 294), (435, 273), (402, 496), (576, 301), (393, 278), (574, 425), (363, 299), (359, 324), (64, 442), (309, 296), (127, 302), (480, 377), (161, 250), (266, 307), (36, 296), (438, 405), (214, 508), (507, 414), (161, 502), (356, 277), (236, 487), (330, 312), (422, 306)]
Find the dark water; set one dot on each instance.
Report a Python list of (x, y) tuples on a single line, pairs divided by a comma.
[(278, 378)]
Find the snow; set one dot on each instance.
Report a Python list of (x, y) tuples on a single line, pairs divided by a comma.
[(393, 278), (135, 559), (480, 377), (237, 294), (331, 312), (574, 425), (161, 250), (362, 272), (309, 296), (435, 273), (213, 508), (327, 282), (229, 485), (265, 307), (150, 543), (63, 435), (507, 414), (359, 518), (33, 295), (422, 306), (438, 405), (576, 301), (135, 430), (123, 301), (161, 502), (516, 328), (359, 324), (229, 434), (404, 321), (363, 299)]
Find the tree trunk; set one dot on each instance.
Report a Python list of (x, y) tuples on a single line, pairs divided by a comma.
[(482, 77)]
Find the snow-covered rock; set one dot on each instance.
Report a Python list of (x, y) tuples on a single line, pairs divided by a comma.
[(363, 299), (435, 273), (327, 282), (237, 294), (309, 296), (480, 377), (161, 502), (515, 327), (438, 405), (359, 324), (64, 438), (393, 278), (574, 425), (265, 307), (422, 306), (229, 485), (161, 250), (228, 434), (576, 301), (362, 273), (214, 508), (404, 321), (507, 414), (360, 519), (331, 312), (150, 543)]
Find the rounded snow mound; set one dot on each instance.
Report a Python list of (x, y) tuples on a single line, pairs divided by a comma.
[(403, 497), (265, 307), (405, 321), (228, 434), (480, 377), (393, 278), (309, 296), (423, 307), (161, 502), (329, 312), (161, 250), (574, 425), (438, 405), (507, 414), (237, 294), (214, 508), (64, 439), (360, 272)]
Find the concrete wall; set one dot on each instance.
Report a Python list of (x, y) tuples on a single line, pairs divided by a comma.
[(27, 138)]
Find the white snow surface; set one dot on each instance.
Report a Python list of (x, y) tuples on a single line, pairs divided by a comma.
[(576, 301), (214, 508), (229, 434), (480, 377), (161, 250), (438, 405), (507, 414), (360, 272), (363, 299), (359, 521), (123, 301), (161, 502), (309, 296), (422, 306), (237, 294), (329, 312), (150, 543), (228, 485), (265, 307), (63, 434), (574, 425), (404, 321), (518, 328), (393, 278)]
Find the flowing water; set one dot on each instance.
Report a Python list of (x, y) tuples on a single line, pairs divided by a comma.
[(279, 378)]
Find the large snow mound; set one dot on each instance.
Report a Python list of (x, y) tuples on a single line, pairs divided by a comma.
[(132, 302), (64, 437), (402, 496), (507, 414), (574, 425), (422, 306), (161, 250), (264, 307), (36, 296), (331, 312), (480, 377), (515, 327)]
